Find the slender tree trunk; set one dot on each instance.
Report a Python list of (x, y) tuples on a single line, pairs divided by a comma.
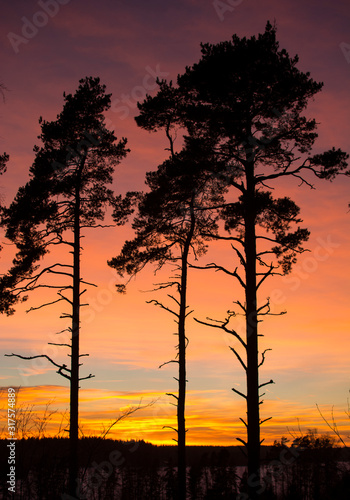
[(252, 373), (181, 428), (74, 382)]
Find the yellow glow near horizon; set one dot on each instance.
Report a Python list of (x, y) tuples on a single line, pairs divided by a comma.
[(215, 426)]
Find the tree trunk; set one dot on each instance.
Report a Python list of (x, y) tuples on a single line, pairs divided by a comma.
[(181, 428), (252, 372), (74, 382)]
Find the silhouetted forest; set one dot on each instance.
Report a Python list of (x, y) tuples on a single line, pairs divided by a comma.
[(309, 468)]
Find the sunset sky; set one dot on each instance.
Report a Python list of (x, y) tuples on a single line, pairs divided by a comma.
[(128, 44)]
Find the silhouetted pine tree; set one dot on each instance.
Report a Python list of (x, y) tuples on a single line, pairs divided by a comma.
[(67, 192), (169, 227), (245, 99)]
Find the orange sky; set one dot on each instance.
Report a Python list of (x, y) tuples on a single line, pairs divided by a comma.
[(126, 338)]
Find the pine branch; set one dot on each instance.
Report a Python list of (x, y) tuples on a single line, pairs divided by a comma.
[(34, 279), (223, 326), (239, 358), (172, 428), (62, 331), (61, 273), (241, 306), (239, 393), (266, 383), (87, 283), (173, 395), (245, 423), (174, 299), (168, 362), (216, 267), (44, 305), (263, 357), (60, 367), (265, 420), (240, 256), (162, 286), (156, 303), (59, 345), (60, 372), (242, 441), (287, 247), (266, 275), (189, 313), (225, 238), (85, 378), (65, 298), (268, 310)]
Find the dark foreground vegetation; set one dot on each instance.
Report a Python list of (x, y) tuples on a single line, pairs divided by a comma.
[(310, 468)]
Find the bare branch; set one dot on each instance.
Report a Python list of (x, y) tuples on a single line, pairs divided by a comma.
[(268, 310), (242, 441), (239, 358), (265, 420), (240, 255), (62, 331), (127, 413), (266, 383), (240, 305), (87, 283), (162, 286), (239, 393), (89, 376), (266, 275), (245, 423), (169, 427), (168, 362), (60, 367), (156, 303), (38, 356), (60, 372), (334, 426), (223, 326), (64, 298), (174, 299), (44, 305), (59, 345), (263, 357), (227, 238), (171, 394), (216, 267)]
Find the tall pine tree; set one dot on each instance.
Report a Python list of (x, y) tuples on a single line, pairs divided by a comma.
[(68, 192), (247, 98), (170, 225)]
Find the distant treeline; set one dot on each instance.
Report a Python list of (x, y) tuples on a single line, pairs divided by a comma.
[(312, 467)]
